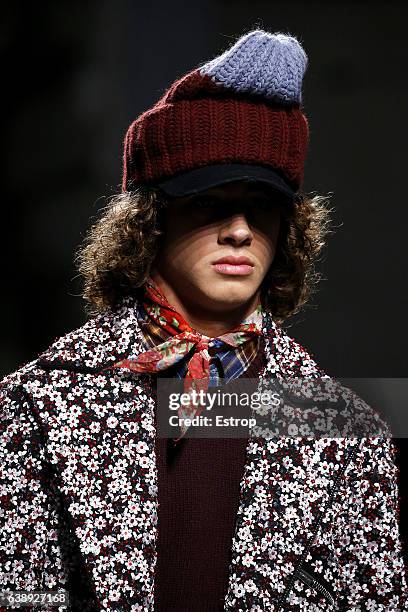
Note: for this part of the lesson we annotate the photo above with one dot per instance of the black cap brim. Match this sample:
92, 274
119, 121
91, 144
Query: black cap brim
202, 178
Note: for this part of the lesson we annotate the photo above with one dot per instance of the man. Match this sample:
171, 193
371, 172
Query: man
189, 273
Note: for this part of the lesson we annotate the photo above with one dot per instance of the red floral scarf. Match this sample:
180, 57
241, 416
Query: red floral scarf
183, 339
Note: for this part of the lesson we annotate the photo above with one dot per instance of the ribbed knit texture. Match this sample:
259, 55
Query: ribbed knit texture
269, 65
243, 107
198, 494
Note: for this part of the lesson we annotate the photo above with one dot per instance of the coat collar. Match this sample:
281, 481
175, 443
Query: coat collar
115, 334
103, 340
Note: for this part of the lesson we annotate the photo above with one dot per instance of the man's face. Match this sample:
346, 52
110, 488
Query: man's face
239, 221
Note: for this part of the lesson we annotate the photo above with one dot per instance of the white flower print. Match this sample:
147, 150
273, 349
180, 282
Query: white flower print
96, 431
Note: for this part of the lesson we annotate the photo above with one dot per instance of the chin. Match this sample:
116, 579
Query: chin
230, 295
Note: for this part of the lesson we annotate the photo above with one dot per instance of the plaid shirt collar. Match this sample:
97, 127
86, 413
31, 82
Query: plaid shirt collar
226, 363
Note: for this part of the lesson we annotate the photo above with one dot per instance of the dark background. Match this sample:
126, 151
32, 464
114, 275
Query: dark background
75, 74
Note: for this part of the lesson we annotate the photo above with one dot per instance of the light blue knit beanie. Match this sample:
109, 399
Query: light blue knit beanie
270, 65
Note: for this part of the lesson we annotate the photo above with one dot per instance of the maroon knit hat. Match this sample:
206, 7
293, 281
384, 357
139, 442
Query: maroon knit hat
242, 108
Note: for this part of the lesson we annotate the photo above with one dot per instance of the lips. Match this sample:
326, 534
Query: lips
234, 266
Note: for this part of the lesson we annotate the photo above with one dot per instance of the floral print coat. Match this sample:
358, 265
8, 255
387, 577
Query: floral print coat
316, 527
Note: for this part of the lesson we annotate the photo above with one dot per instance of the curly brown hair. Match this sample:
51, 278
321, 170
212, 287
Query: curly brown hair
117, 253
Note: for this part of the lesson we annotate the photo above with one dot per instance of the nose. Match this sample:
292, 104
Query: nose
235, 230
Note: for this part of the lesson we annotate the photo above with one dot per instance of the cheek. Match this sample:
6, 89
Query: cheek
264, 250
264, 244
185, 250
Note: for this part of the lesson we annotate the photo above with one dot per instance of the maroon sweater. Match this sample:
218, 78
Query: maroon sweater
198, 498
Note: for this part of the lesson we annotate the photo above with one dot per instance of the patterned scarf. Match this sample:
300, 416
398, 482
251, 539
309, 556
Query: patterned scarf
173, 339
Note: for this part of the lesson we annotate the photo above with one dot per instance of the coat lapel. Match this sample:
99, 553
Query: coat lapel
100, 435
100, 432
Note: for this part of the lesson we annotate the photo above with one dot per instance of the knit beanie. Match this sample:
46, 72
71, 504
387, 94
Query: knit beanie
241, 109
